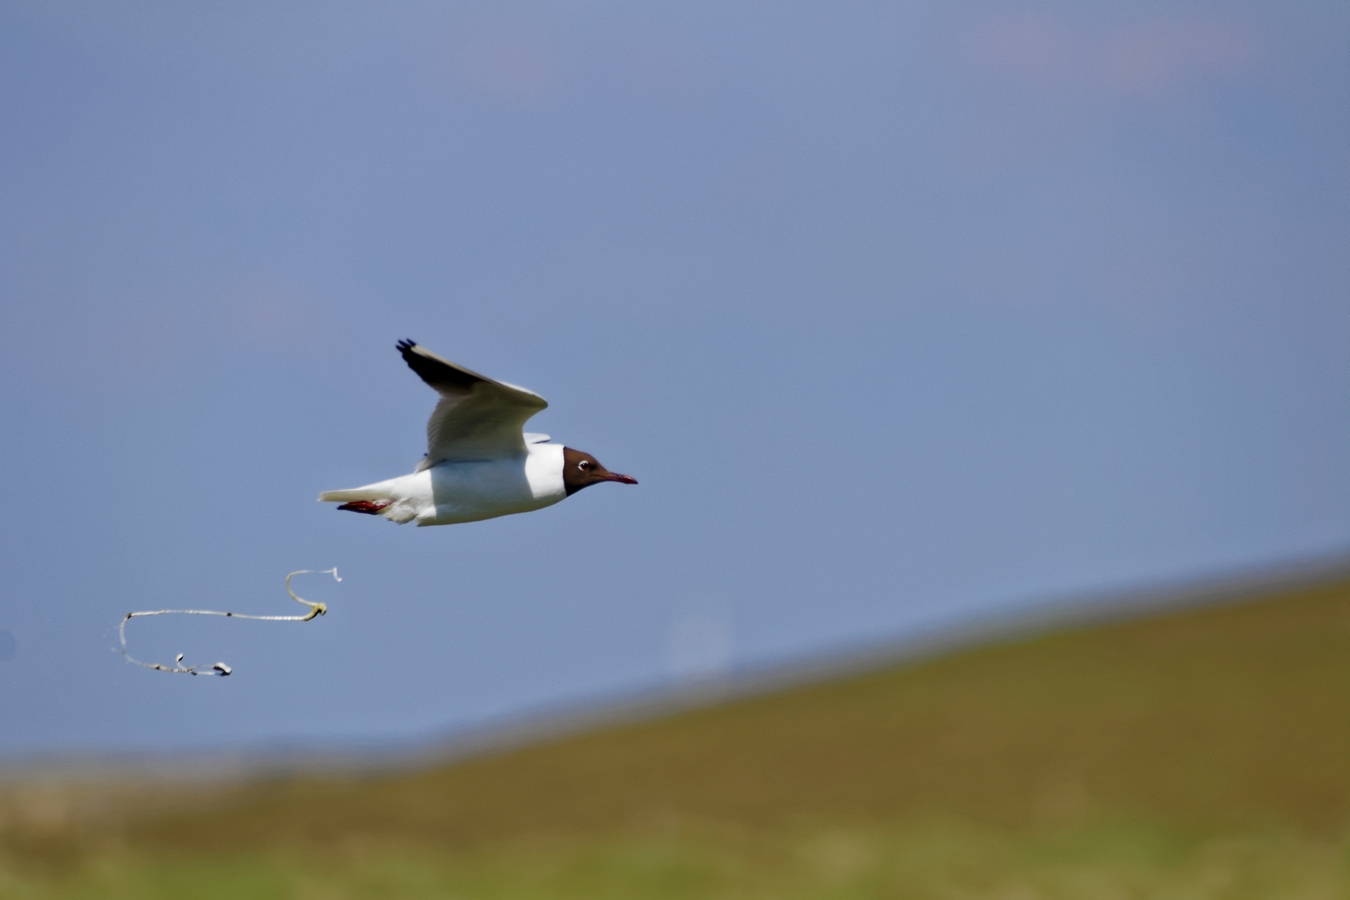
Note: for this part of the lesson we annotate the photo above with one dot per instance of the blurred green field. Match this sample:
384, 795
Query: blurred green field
1203, 753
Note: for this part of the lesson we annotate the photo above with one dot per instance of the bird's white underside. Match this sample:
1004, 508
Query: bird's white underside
469, 490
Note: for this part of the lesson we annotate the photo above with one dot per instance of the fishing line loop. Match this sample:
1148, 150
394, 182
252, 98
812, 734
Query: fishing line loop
220, 669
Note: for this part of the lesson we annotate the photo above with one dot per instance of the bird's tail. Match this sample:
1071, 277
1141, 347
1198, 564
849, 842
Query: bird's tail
390, 499
373, 499
347, 496
390, 489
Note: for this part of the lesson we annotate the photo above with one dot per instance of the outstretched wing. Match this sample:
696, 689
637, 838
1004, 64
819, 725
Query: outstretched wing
477, 418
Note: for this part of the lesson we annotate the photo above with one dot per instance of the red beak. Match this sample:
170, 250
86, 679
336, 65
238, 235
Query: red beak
622, 479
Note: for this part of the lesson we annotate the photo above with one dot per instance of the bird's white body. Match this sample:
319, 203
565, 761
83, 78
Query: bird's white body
469, 490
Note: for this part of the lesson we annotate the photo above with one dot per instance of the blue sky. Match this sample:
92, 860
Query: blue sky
902, 315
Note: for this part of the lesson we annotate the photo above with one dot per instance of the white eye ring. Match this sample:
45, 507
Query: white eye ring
584, 465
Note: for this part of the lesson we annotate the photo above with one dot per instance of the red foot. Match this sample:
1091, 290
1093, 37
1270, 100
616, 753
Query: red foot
369, 507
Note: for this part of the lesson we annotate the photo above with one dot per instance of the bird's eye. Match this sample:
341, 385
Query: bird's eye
584, 465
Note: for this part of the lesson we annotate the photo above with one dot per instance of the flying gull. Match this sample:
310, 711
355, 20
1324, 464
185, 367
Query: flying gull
479, 462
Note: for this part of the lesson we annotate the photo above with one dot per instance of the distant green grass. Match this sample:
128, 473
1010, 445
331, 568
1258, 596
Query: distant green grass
1201, 754
934, 859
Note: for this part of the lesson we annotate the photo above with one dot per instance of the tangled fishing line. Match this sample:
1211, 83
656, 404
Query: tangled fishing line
315, 610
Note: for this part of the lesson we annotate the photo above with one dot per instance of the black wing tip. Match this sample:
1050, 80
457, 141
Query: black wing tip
437, 372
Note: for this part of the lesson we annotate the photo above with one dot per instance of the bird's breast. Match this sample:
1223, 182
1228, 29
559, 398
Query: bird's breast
472, 490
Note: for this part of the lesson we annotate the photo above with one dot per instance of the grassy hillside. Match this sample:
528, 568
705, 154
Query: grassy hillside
1200, 754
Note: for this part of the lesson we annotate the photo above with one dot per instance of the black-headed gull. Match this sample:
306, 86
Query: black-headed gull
479, 463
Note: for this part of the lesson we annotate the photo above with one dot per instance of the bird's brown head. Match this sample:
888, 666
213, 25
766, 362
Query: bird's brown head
583, 470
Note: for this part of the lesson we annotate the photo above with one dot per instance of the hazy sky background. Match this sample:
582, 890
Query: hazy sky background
902, 315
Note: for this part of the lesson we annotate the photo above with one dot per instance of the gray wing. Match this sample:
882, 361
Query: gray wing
477, 418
